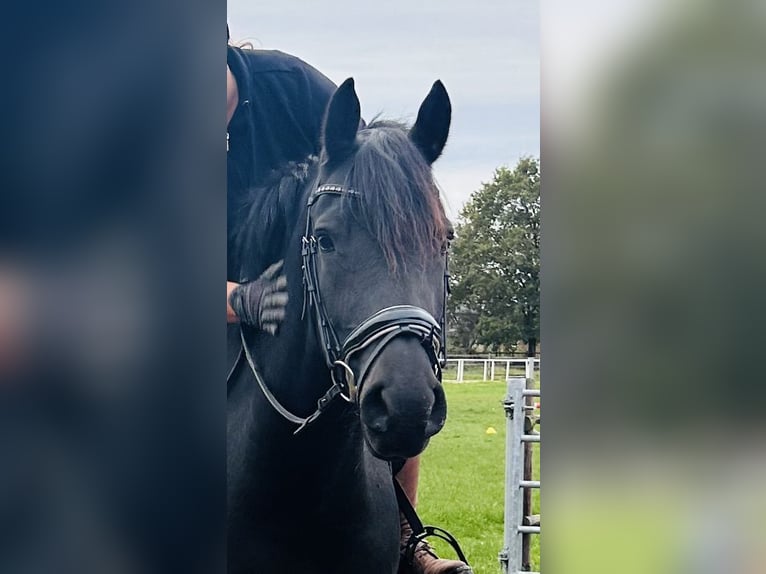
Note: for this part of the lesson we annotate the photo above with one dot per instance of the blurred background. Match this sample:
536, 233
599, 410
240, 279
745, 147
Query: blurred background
112, 243
652, 278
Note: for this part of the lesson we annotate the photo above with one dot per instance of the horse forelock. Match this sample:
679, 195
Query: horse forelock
398, 201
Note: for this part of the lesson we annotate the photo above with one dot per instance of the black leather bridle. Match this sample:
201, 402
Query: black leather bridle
371, 335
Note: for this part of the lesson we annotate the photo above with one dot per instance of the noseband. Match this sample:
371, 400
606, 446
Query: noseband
371, 335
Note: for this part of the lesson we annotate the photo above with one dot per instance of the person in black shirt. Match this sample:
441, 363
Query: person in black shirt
275, 108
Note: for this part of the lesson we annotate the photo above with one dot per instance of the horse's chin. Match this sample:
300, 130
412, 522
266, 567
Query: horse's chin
387, 447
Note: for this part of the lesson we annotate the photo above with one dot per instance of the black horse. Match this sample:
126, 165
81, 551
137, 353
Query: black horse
354, 368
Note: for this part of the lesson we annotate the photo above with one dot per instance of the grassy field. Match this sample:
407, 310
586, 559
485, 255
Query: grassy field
463, 475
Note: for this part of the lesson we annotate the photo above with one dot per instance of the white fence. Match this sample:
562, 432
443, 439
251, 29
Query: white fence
503, 368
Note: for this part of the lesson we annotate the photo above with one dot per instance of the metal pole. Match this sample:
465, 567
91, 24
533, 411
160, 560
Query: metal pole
460, 367
527, 482
510, 556
492, 371
484, 376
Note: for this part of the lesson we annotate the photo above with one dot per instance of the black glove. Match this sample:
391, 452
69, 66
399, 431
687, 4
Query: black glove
262, 303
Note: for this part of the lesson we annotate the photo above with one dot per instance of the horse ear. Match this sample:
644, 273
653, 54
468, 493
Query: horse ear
341, 122
432, 126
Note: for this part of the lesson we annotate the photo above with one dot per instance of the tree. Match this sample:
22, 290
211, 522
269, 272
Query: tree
496, 260
461, 336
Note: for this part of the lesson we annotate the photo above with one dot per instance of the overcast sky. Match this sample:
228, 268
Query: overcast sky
486, 52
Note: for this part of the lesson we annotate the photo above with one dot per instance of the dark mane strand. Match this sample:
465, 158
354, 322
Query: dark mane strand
398, 200
272, 211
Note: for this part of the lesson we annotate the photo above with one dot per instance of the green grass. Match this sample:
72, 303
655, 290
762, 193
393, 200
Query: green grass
462, 477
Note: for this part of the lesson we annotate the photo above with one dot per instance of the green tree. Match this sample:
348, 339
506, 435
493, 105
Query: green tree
496, 260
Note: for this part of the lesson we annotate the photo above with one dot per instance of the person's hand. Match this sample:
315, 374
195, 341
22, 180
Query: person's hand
262, 303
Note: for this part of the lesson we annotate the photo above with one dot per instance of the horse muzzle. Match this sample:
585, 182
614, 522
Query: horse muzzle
390, 368
402, 403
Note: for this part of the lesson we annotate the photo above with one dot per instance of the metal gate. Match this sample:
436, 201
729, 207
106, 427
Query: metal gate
517, 436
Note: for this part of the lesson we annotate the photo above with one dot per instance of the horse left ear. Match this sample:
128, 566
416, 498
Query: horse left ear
432, 126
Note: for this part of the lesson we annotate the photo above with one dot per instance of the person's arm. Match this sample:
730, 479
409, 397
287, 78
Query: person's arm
231, 316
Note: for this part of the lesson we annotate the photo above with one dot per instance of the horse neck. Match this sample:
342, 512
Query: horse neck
328, 455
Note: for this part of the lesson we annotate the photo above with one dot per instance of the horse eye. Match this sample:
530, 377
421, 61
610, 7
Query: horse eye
325, 243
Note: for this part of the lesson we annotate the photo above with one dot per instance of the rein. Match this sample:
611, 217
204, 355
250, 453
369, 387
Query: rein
420, 531
372, 334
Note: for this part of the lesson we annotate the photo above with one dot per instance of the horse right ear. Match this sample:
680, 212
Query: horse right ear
341, 123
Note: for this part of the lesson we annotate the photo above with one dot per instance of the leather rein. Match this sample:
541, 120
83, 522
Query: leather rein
372, 334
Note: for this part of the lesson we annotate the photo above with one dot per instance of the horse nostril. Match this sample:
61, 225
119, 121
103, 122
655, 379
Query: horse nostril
438, 414
374, 412
379, 424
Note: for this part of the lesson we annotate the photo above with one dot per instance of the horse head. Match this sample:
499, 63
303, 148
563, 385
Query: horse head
375, 268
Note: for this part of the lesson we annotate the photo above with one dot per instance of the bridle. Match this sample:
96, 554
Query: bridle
371, 335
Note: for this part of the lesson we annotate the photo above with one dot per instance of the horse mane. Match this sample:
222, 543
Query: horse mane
397, 201
272, 210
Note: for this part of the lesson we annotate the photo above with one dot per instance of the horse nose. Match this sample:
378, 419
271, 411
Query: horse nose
402, 403
404, 407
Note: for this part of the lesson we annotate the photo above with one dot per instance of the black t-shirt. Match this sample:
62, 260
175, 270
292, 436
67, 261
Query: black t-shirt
282, 101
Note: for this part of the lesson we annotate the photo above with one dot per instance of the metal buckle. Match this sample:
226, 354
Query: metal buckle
350, 382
